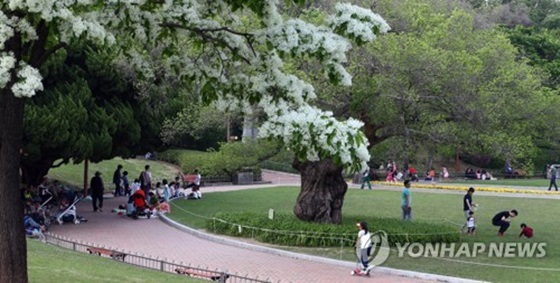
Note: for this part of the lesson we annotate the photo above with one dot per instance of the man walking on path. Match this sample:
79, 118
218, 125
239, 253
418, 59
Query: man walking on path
96, 186
406, 200
553, 172
366, 179
117, 180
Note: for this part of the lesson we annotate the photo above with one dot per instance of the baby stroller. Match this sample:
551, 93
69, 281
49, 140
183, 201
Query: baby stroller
67, 211
48, 200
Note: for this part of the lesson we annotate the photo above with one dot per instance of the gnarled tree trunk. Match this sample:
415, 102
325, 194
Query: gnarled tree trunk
322, 191
13, 257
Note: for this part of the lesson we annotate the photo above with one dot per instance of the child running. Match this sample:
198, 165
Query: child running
364, 243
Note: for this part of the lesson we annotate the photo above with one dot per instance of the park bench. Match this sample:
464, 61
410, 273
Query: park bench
110, 253
191, 272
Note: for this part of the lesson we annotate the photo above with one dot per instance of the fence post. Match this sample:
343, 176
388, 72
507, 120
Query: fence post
161, 265
74, 246
341, 248
223, 277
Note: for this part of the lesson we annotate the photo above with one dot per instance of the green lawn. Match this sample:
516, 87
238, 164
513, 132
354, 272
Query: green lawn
74, 173
538, 213
46, 263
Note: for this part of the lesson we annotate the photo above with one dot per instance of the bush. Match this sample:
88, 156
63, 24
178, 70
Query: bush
188, 160
278, 166
287, 230
222, 165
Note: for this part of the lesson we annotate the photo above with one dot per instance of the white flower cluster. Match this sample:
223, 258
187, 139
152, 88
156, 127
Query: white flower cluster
7, 63
316, 134
29, 82
297, 90
299, 38
361, 24
72, 20
28, 78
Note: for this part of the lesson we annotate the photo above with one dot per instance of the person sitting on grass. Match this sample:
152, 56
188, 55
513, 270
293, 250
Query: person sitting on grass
503, 219
526, 231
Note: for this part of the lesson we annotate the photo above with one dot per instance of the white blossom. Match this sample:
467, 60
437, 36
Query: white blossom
357, 22
246, 67
29, 82
7, 63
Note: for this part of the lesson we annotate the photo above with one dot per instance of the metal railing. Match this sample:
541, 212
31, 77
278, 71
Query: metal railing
147, 261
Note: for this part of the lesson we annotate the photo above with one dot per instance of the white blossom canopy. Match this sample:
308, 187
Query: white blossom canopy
210, 42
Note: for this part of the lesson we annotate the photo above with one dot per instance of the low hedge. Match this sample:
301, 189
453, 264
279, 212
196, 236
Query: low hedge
287, 230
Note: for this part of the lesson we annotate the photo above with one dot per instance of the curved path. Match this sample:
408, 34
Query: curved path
158, 239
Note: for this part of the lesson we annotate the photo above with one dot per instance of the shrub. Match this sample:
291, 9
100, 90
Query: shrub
278, 166
287, 230
223, 164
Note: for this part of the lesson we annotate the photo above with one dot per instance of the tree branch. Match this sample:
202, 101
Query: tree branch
203, 32
49, 52
63, 161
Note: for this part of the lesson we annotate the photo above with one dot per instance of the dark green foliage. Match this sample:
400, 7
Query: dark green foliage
86, 111
282, 161
237, 156
225, 163
541, 47
287, 230
278, 166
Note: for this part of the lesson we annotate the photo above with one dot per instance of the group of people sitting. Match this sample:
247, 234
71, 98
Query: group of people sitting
157, 198
45, 203
478, 174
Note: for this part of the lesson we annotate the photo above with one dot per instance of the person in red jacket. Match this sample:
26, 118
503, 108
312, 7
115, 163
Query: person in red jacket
526, 231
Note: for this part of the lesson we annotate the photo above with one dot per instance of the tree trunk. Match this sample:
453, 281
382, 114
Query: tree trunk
34, 171
249, 128
322, 191
13, 248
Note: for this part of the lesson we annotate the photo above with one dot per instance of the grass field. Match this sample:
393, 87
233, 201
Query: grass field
73, 174
438, 207
50, 264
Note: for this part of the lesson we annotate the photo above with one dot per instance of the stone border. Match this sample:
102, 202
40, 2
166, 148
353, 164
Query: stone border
349, 265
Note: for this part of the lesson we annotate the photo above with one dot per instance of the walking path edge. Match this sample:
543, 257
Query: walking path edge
349, 265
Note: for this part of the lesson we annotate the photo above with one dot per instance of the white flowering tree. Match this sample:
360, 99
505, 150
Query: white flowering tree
229, 59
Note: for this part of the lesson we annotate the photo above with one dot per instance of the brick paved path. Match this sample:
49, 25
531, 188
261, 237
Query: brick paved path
155, 238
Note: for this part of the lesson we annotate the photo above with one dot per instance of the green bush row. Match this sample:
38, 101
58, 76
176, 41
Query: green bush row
278, 166
287, 230
220, 165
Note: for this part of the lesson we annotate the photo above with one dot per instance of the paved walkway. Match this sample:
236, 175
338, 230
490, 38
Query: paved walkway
158, 239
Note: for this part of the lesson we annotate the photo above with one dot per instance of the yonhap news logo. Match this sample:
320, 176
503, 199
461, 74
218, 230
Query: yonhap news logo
380, 249
472, 250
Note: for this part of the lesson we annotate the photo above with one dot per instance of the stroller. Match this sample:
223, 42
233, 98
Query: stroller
47, 200
67, 211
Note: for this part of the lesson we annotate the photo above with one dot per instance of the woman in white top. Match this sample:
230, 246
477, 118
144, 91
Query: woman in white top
364, 243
